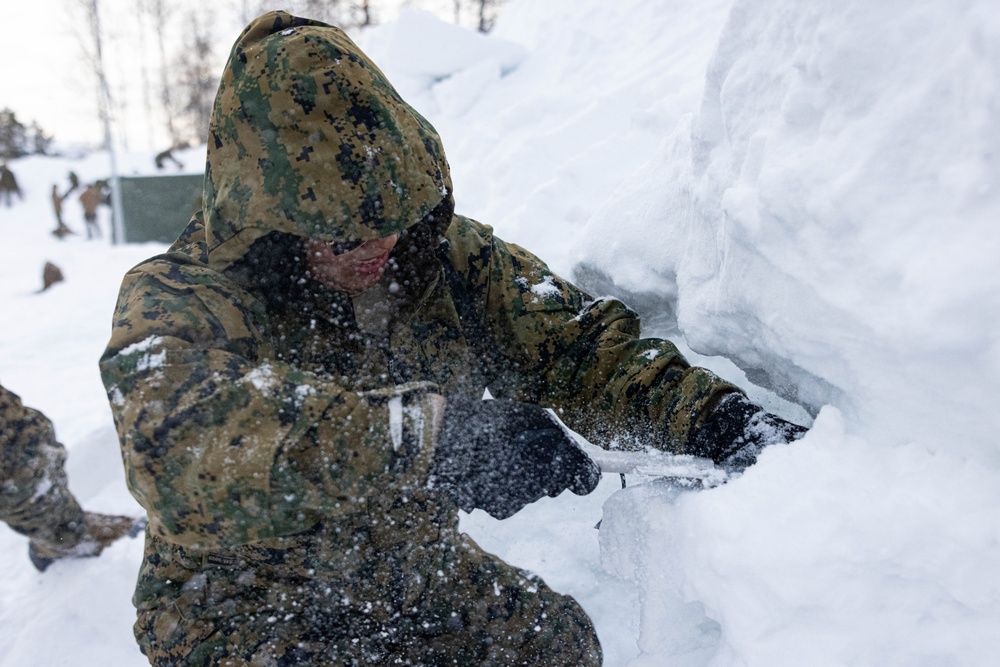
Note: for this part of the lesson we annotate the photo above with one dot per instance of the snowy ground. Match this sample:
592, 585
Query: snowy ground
809, 190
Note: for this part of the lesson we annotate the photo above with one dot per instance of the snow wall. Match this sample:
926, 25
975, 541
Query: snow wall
827, 218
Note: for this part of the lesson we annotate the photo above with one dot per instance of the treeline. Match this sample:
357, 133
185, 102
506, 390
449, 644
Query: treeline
176, 48
18, 139
178, 89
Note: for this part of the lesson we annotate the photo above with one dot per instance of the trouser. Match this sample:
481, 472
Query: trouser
93, 230
476, 610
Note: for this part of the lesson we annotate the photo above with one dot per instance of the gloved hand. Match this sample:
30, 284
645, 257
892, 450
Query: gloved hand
500, 455
737, 430
97, 532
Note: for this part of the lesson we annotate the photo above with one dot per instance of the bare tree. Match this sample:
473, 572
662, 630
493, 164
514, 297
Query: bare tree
363, 13
104, 106
488, 10
336, 12
90, 37
104, 102
147, 99
40, 140
195, 78
13, 135
160, 14
343, 13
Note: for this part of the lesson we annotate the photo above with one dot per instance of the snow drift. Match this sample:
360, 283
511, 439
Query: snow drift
827, 218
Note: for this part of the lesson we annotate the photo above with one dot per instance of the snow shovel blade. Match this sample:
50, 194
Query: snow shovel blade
681, 470
657, 464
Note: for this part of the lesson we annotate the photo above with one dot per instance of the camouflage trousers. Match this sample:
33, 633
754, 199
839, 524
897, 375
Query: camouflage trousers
473, 610
34, 497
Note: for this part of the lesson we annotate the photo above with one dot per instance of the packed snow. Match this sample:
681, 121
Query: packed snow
806, 192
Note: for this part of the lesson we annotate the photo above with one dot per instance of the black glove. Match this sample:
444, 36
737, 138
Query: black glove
737, 430
500, 455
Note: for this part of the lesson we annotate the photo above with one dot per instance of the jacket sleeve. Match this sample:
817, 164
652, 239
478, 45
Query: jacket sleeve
34, 496
581, 356
224, 446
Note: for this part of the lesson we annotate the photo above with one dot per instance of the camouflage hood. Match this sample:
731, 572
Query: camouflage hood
309, 138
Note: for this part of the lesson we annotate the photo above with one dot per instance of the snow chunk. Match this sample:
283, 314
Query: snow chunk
396, 421
545, 288
147, 361
262, 377
115, 396
143, 345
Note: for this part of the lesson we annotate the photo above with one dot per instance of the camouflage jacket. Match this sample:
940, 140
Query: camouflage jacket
226, 442
246, 421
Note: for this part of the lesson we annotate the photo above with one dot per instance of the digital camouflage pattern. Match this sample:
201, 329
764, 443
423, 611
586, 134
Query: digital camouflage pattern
280, 434
34, 497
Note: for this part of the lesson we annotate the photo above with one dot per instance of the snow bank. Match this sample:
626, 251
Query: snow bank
569, 98
439, 68
830, 552
827, 219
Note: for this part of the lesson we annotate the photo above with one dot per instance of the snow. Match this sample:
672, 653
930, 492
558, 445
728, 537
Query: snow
545, 287
262, 377
147, 361
396, 421
807, 192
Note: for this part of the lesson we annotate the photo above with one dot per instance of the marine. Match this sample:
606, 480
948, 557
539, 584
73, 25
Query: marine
35, 499
297, 388
8, 185
92, 197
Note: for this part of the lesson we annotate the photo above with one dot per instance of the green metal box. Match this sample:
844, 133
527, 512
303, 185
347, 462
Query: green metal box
157, 208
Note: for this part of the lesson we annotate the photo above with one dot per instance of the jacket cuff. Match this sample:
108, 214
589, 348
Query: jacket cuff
692, 404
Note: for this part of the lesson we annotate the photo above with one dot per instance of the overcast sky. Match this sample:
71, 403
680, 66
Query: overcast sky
43, 78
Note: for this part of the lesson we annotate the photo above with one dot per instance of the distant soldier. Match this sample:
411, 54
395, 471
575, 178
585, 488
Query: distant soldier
105, 188
61, 229
34, 498
168, 154
51, 274
8, 185
90, 199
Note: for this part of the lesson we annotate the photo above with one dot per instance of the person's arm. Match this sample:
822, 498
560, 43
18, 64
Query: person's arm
34, 496
584, 357
224, 446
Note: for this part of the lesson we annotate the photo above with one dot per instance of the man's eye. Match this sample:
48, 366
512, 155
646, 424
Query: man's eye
346, 246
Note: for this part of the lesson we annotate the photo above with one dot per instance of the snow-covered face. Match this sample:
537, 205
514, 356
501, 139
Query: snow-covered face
353, 271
